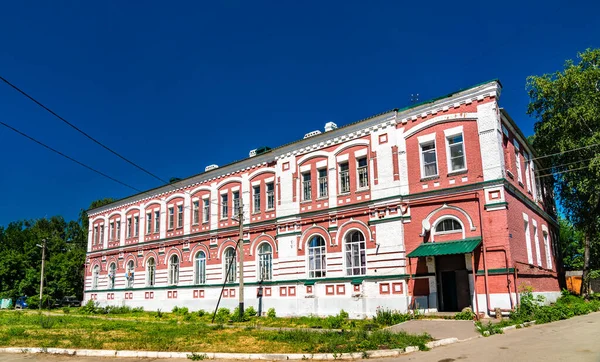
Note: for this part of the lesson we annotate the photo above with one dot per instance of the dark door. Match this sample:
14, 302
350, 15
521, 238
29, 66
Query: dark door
449, 295
462, 289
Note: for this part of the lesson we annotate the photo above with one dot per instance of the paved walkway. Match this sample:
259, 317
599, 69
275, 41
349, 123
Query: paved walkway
439, 328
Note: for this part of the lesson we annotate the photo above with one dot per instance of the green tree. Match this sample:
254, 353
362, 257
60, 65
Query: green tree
567, 107
571, 245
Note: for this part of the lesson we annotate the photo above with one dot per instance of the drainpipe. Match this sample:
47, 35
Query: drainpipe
503, 249
516, 291
408, 286
475, 285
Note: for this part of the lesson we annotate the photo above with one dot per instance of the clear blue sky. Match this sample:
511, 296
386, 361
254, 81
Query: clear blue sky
176, 86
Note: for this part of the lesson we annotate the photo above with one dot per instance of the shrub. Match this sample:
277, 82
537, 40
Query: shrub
465, 315
271, 313
159, 313
89, 307
46, 322
334, 322
66, 310
235, 315
201, 312
343, 314
386, 317
223, 315
489, 328
250, 311
180, 310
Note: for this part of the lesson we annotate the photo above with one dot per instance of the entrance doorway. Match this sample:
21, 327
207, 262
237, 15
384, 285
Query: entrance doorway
453, 283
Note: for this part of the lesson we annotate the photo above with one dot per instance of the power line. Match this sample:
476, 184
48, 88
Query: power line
68, 157
561, 172
565, 164
80, 131
563, 152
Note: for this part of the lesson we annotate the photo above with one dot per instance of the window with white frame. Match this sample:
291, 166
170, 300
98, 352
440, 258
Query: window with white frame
265, 262
118, 229
129, 227
130, 274
256, 198
548, 250
270, 195
195, 212
322, 182
536, 240
527, 171
95, 235
306, 186
136, 225
95, 276
224, 206
156, 221
429, 159
236, 202
112, 274
179, 216
174, 269
363, 172
200, 268
518, 161
317, 252
344, 175
456, 153
111, 231
148, 223
528, 241
448, 225
101, 233
171, 221
356, 261
205, 210
230, 271
150, 272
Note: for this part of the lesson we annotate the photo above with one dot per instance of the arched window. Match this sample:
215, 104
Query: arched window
200, 267
229, 256
95, 275
356, 263
112, 273
173, 269
316, 257
151, 272
265, 262
129, 274
448, 225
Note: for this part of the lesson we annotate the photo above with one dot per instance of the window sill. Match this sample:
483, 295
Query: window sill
271, 209
306, 201
205, 222
362, 190
458, 172
430, 178
321, 198
447, 232
256, 212
521, 183
224, 218
195, 224
344, 194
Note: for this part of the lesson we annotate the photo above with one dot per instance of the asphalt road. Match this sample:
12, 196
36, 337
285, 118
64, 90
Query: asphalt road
571, 340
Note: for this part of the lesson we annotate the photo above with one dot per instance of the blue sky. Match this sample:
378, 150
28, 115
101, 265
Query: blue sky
176, 86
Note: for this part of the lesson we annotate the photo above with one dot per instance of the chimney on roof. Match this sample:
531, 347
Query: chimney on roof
330, 126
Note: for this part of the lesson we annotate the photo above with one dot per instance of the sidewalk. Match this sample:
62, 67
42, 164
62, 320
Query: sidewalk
439, 328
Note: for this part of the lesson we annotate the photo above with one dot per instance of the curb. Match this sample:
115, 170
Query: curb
522, 325
230, 356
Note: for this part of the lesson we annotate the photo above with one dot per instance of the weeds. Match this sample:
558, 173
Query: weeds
197, 356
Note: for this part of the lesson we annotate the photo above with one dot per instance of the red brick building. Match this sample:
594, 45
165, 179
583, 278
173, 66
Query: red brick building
437, 206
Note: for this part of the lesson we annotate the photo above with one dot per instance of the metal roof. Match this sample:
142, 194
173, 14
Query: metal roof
445, 248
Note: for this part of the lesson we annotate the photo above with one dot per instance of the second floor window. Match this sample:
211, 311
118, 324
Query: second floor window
118, 230
323, 182
111, 231
95, 236
136, 225
457, 153
236, 202
344, 178
363, 172
129, 227
196, 212
429, 159
270, 196
101, 233
224, 206
205, 210
148, 223
156, 221
256, 198
171, 217
179, 216
306, 187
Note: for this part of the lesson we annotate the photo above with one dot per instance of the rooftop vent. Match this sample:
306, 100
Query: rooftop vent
210, 167
311, 134
330, 126
259, 151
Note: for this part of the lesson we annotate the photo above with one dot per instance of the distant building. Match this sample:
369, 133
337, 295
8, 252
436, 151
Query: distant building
437, 206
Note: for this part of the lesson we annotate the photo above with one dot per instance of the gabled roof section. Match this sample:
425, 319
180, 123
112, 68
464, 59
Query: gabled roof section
388, 117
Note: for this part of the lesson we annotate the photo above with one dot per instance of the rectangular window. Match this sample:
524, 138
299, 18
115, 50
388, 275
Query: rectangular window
270, 196
111, 231
196, 212
156, 221
306, 187
118, 231
148, 223
536, 240
527, 172
548, 251
256, 198
236, 202
179, 216
136, 225
344, 178
129, 227
95, 236
102, 233
363, 173
456, 152
429, 159
224, 206
518, 161
528, 242
322, 182
171, 217
205, 210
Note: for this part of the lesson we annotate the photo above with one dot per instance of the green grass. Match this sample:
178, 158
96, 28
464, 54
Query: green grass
171, 333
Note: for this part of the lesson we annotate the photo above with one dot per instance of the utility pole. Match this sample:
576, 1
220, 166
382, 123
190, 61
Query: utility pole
43, 246
241, 258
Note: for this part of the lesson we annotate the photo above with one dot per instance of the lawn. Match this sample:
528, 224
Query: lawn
172, 332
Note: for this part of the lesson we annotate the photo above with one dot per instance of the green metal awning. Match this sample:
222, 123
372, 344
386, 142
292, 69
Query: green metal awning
356, 281
309, 282
445, 248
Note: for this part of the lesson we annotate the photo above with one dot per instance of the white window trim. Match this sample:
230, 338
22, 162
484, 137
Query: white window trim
536, 240
358, 188
422, 160
321, 164
451, 133
360, 153
547, 246
518, 161
442, 218
528, 240
342, 158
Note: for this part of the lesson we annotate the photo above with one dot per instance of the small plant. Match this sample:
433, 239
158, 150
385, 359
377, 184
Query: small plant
271, 313
197, 356
201, 313
46, 322
250, 311
343, 314
365, 355
159, 313
180, 310
465, 315
223, 315
489, 328
66, 310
